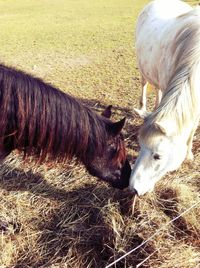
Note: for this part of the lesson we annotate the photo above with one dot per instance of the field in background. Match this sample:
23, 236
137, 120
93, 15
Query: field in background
54, 216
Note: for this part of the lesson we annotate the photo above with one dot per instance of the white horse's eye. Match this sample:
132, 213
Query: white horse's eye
156, 157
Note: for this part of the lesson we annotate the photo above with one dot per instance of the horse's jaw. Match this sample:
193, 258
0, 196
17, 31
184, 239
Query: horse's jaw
155, 161
136, 185
141, 179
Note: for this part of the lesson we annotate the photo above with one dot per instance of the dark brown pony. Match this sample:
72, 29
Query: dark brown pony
40, 120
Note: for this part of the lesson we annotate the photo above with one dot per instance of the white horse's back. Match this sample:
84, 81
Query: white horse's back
155, 31
167, 9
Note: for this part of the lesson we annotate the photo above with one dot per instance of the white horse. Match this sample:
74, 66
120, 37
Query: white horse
168, 54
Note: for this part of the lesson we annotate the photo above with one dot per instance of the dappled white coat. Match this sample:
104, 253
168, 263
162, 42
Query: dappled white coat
168, 55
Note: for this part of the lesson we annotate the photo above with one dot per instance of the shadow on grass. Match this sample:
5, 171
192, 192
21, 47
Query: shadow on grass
98, 107
76, 232
169, 203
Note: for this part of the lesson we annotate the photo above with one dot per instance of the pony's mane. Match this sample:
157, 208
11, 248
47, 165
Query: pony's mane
41, 120
181, 98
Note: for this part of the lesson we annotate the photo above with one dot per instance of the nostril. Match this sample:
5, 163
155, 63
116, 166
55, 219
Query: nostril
117, 173
135, 192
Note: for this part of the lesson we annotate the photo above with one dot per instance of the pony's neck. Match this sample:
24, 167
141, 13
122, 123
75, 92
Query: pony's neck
93, 135
45, 121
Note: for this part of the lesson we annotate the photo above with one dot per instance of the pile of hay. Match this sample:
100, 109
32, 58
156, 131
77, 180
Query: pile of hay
59, 216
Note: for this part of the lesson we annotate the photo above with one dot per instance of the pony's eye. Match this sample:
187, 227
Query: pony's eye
156, 157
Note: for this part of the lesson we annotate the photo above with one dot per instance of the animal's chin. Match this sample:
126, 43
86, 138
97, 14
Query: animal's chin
119, 182
113, 181
123, 181
99, 175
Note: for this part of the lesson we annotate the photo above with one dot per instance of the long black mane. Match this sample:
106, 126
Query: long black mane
39, 119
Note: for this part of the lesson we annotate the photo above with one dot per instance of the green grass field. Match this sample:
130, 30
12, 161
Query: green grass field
58, 217
84, 47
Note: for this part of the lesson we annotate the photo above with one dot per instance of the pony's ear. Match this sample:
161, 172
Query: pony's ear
166, 127
115, 128
107, 112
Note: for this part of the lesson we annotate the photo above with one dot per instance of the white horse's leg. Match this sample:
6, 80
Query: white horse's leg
142, 112
158, 98
190, 155
143, 98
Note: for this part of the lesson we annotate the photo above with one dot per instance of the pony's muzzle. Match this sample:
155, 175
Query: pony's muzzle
134, 192
123, 181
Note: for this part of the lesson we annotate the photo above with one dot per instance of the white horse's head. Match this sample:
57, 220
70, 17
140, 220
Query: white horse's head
160, 152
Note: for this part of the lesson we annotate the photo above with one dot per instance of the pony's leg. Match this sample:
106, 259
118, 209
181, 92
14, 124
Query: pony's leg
142, 112
190, 155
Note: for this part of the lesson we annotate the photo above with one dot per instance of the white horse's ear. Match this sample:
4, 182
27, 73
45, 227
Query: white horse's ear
166, 127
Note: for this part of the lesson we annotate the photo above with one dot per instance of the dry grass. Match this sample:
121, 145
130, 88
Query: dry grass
58, 216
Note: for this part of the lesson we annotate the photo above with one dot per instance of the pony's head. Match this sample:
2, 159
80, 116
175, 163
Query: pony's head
161, 151
112, 165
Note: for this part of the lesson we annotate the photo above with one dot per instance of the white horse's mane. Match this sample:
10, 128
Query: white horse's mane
181, 98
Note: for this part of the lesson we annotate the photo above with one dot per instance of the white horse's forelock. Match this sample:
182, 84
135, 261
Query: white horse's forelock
181, 98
